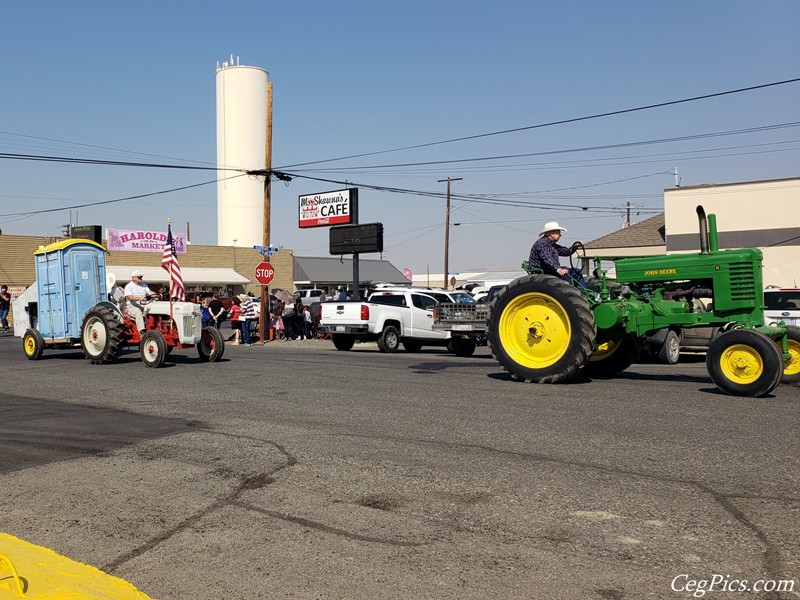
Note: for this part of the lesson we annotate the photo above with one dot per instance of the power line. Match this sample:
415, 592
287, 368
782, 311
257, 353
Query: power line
102, 202
34, 137
115, 163
567, 150
475, 199
552, 123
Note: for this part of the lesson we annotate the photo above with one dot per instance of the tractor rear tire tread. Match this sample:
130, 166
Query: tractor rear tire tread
584, 330
112, 324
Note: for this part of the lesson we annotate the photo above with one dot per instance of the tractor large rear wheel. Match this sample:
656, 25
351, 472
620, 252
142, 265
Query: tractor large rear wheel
742, 362
541, 329
791, 368
100, 335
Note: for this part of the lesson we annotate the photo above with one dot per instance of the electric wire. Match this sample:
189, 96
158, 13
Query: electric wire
116, 200
115, 163
574, 150
553, 123
94, 146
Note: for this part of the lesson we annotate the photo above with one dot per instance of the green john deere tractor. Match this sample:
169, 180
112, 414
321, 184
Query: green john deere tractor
543, 329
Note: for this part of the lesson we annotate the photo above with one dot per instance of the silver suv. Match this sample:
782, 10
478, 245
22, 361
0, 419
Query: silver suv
438, 294
782, 304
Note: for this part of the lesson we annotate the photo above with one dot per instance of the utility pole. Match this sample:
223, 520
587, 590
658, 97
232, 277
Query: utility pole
267, 212
447, 228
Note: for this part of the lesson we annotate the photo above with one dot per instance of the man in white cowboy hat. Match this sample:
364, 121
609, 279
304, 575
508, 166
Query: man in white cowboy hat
135, 291
546, 251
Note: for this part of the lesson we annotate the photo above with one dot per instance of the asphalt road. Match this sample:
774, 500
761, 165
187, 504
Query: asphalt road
293, 470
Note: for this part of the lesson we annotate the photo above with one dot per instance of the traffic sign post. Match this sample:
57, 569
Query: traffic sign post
265, 273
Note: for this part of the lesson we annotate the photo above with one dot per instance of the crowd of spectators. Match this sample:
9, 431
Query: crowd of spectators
288, 319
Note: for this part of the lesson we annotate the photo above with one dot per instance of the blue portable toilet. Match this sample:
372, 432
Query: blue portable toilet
71, 279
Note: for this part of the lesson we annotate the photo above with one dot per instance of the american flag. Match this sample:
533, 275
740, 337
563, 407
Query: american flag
170, 262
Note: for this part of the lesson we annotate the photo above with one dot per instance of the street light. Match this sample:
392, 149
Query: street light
447, 228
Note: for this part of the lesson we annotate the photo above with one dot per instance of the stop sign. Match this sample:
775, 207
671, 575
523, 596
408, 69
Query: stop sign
264, 273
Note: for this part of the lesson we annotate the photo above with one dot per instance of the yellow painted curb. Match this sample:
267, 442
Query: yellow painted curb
30, 572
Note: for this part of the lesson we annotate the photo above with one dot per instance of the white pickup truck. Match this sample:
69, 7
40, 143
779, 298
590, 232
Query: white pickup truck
390, 318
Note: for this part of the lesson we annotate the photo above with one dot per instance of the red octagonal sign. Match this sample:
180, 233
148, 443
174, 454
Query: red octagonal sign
264, 273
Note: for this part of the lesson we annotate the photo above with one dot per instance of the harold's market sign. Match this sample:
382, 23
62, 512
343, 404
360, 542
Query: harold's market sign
140, 240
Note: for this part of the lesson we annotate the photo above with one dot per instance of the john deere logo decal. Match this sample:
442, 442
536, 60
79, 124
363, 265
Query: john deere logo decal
661, 272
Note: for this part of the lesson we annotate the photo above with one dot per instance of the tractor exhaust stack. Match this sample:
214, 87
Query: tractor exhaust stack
701, 216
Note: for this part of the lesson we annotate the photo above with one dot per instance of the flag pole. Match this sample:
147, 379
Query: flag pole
171, 319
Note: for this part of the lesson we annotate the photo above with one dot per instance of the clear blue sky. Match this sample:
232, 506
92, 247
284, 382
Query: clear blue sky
135, 82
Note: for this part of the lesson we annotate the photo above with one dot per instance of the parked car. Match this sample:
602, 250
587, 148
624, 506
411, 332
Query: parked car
782, 304
199, 296
308, 297
489, 294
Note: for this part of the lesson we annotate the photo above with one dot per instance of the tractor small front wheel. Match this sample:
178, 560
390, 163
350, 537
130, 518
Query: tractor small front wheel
153, 348
742, 362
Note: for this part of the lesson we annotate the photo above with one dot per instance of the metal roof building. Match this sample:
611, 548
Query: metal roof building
313, 271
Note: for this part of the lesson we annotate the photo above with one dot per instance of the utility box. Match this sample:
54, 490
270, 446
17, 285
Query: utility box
71, 279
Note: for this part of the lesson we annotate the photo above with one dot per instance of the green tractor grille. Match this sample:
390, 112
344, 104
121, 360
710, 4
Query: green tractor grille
742, 282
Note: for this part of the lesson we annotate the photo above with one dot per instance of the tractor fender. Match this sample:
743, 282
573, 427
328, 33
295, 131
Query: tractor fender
113, 306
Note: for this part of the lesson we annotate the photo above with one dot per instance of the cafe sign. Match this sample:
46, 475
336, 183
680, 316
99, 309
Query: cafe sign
328, 208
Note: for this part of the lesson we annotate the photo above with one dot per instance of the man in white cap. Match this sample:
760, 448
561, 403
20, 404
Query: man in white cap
546, 251
135, 291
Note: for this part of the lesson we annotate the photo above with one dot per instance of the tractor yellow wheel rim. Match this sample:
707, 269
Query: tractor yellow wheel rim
792, 365
30, 345
605, 350
741, 364
535, 330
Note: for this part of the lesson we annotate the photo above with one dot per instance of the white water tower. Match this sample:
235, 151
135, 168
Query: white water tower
241, 144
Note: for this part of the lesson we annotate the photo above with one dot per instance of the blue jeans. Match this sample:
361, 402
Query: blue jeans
4, 318
245, 332
574, 276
